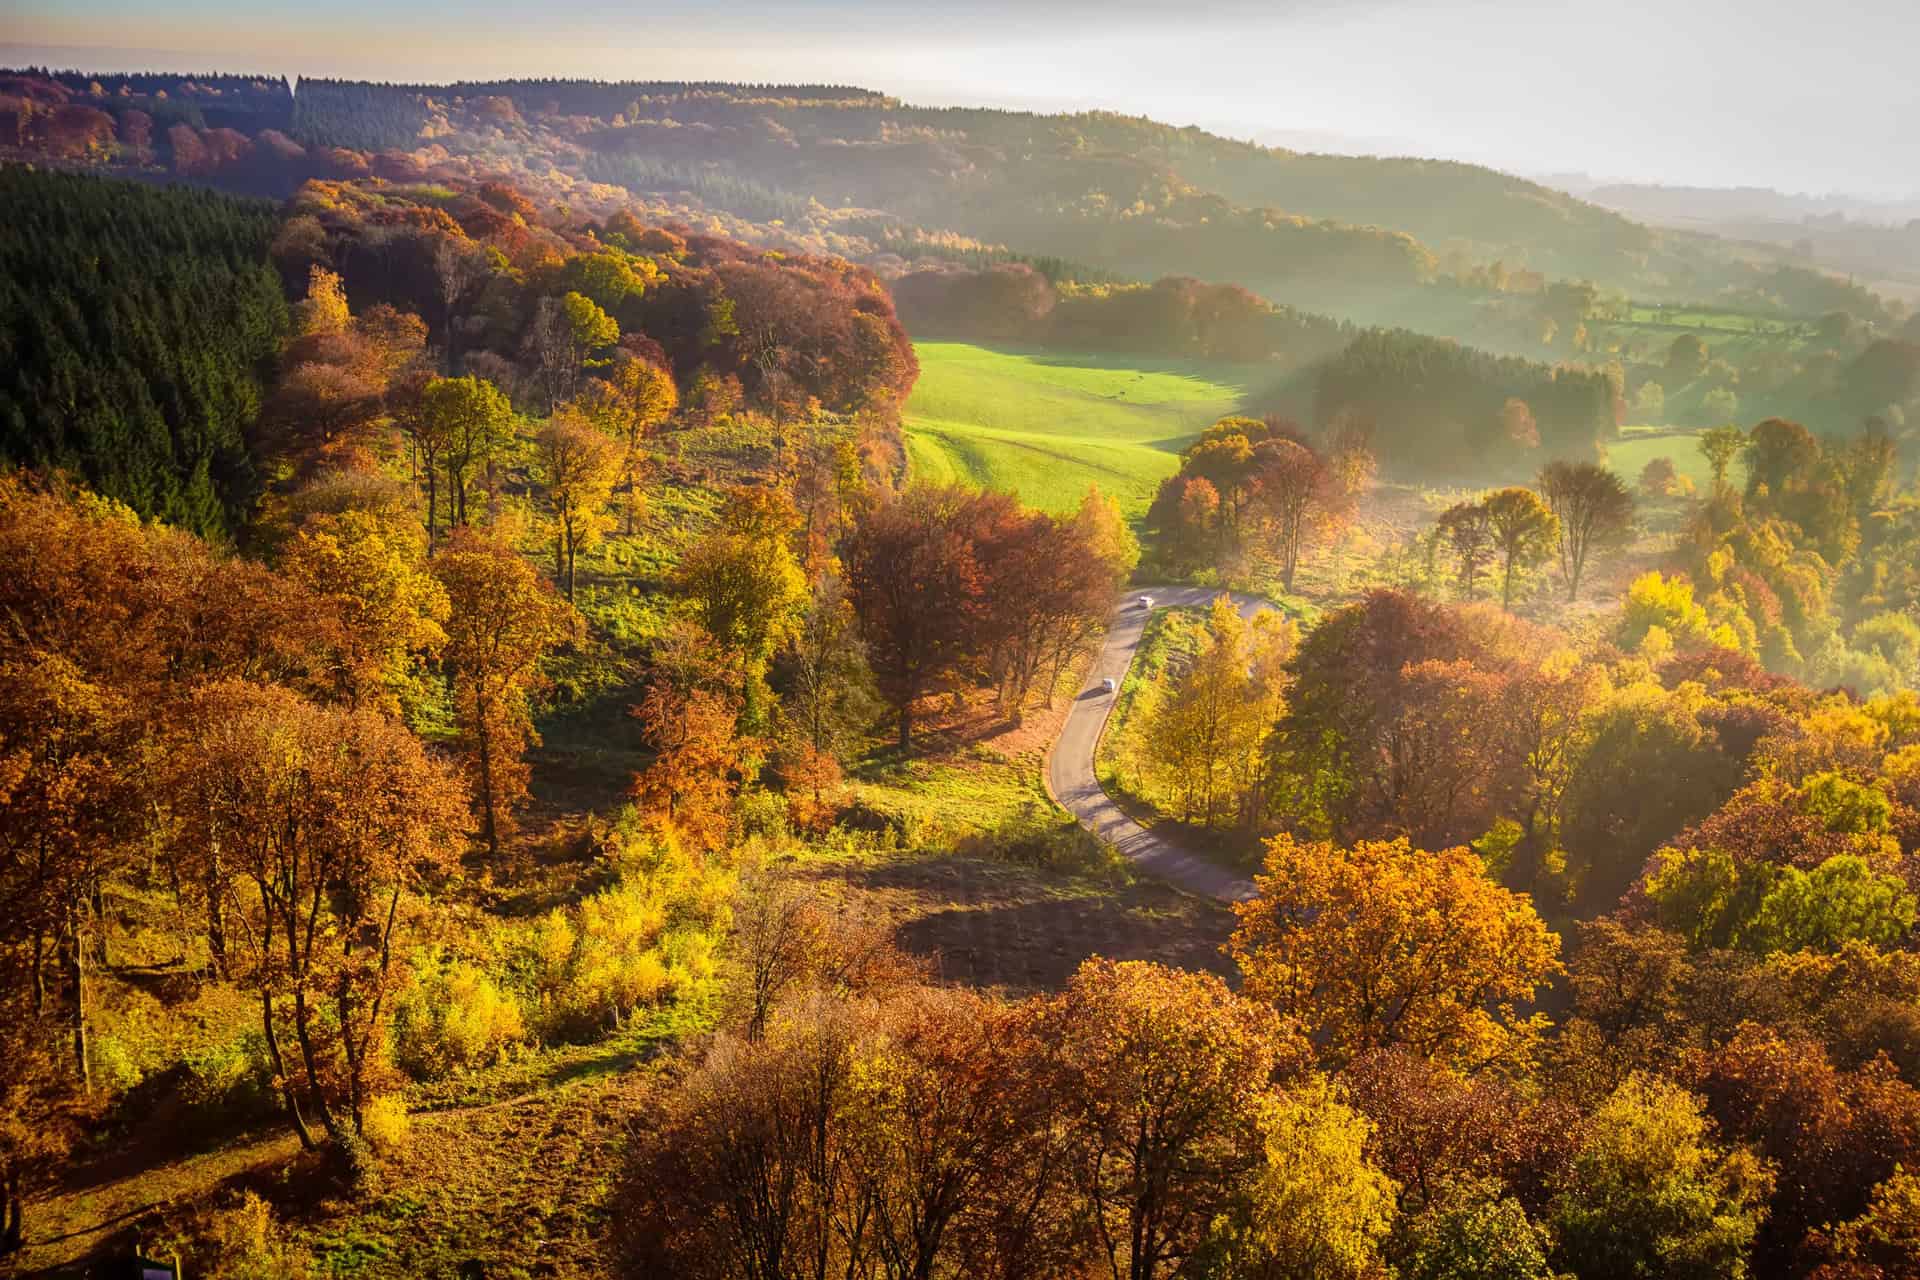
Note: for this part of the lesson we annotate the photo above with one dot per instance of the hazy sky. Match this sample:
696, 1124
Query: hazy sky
1806, 97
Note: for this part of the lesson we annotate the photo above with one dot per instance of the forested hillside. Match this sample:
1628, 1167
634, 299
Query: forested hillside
866, 176
135, 328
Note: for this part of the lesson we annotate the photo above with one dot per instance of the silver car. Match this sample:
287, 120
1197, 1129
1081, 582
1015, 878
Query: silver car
1106, 686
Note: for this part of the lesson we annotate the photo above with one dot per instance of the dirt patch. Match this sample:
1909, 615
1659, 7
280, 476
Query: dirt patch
1017, 930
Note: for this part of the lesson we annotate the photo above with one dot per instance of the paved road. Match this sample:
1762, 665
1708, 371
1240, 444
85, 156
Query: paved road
1070, 768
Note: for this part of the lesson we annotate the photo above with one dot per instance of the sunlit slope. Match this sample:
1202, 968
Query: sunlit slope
1045, 425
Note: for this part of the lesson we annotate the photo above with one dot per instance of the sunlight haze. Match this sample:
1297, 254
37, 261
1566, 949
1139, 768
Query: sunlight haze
1713, 93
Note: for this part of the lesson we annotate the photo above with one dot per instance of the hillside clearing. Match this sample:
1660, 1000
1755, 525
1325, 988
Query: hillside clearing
1045, 425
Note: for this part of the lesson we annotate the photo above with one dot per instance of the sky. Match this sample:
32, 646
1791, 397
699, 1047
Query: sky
1806, 98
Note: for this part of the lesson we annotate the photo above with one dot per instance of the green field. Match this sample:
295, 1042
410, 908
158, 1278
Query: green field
1637, 446
1045, 425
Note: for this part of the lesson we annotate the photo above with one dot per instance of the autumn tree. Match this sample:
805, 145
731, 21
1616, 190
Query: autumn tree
1778, 455
67, 821
1099, 525
457, 425
1522, 531
916, 585
1649, 1191
1203, 736
642, 398
745, 586
1464, 525
327, 818
688, 790
1046, 590
578, 466
827, 693
563, 338
1594, 510
1162, 1080
502, 621
1381, 944
385, 609
1294, 491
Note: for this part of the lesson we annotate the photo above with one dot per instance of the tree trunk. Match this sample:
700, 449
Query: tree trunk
76, 963
39, 971
303, 1032
433, 501
216, 917
1506, 587
278, 1062
489, 830
13, 1233
906, 727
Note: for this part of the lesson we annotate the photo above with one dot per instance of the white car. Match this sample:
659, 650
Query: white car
1145, 602
1106, 686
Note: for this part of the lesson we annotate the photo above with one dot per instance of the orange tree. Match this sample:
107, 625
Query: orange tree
1383, 945
503, 620
327, 818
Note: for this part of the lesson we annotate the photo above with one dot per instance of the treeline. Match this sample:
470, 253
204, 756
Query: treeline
208, 101
136, 326
378, 116
1439, 409
1173, 317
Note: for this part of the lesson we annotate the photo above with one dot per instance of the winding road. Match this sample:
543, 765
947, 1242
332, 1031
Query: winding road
1070, 769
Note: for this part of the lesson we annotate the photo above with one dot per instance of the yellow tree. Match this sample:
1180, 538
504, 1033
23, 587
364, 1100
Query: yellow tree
1201, 735
386, 608
640, 396
745, 585
503, 619
1383, 944
578, 466
1098, 521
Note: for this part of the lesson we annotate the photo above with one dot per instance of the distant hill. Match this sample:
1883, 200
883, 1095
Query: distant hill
1439, 246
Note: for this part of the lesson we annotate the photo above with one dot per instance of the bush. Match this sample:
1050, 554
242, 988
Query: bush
385, 1125
232, 1078
647, 939
1050, 843
236, 1240
453, 1017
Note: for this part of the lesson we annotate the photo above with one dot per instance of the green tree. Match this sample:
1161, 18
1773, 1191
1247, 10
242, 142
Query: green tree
1472, 1230
1839, 901
1720, 446
459, 424
1648, 1192
746, 589
1523, 533
1687, 357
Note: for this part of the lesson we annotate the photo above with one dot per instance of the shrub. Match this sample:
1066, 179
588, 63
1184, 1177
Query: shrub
453, 1017
236, 1240
231, 1078
645, 940
385, 1125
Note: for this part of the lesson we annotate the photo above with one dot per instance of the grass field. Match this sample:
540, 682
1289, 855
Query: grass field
1637, 446
1046, 425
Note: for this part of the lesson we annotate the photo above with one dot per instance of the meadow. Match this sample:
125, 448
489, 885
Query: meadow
1045, 425
1637, 446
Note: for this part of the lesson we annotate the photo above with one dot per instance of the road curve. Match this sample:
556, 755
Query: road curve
1070, 770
